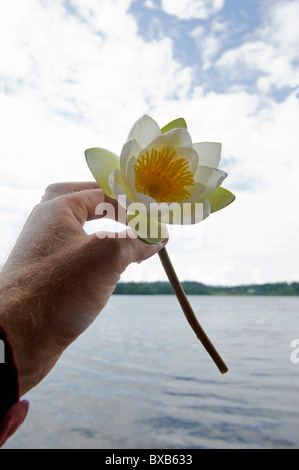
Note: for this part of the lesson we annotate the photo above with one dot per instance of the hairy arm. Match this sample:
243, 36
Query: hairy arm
57, 278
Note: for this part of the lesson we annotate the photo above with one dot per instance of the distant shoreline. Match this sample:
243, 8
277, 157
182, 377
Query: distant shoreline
197, 288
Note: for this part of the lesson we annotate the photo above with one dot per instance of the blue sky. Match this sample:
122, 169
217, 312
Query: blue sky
242, 18
78, 73
200, 42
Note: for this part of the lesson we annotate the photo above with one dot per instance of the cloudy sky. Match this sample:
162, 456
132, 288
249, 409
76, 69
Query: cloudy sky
76, 74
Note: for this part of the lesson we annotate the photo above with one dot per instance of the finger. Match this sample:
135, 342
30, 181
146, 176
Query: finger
59, 189
94, 204
131, 249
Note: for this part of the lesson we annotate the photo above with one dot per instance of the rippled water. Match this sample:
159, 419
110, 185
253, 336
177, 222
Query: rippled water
139, 378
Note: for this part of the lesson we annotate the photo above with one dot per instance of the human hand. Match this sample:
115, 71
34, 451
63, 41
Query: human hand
58, 278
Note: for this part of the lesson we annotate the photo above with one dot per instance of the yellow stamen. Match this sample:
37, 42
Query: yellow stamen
163, 176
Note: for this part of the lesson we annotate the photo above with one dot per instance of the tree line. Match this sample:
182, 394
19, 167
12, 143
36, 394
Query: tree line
197, 288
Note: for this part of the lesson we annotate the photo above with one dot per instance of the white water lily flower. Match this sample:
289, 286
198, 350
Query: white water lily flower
161, 177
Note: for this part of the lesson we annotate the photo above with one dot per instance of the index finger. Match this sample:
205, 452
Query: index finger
59, 189
92, 204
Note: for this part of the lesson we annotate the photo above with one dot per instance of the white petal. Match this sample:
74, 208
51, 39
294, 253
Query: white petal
161, 211
173, 215
130, 175
187, 213
130, 179
118, 190
144, 131
130, 150
209, 153
190, 155
144, 199
212, 178
164, 140
195, 192
181, 137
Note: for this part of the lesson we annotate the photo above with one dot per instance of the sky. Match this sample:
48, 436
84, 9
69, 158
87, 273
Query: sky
76, 74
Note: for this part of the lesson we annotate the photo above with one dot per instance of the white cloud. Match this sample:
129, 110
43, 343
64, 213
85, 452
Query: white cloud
209, 43
281, 28
188, 9
103, 75
150, 4
69, 82
75, 81
271, 53
262, 142
271, 69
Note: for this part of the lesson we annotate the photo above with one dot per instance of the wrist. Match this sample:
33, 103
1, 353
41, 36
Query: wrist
33, 360
22, 321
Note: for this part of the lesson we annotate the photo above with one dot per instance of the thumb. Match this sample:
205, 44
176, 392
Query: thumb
133, 250
110, 253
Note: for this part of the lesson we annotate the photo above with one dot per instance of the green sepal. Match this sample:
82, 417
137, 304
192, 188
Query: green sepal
220, 199
148, 243
180, 122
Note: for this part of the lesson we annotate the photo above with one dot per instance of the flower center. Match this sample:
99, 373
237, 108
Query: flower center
163, 176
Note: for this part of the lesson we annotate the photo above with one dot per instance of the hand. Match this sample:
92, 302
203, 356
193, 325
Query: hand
57, 278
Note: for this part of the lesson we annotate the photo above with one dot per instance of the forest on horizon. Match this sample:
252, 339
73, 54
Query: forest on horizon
197, 288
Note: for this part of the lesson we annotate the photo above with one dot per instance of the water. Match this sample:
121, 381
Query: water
139, 378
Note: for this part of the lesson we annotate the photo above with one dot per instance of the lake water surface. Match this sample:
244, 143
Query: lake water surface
139, 379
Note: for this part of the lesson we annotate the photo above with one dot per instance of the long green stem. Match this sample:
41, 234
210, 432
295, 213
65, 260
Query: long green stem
187, 309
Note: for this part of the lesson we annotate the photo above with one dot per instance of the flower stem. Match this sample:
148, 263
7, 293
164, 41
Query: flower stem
187, 309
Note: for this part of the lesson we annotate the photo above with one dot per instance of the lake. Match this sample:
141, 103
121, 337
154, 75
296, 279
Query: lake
139, 379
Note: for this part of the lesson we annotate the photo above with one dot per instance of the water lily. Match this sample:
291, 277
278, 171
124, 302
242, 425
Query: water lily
161, 177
